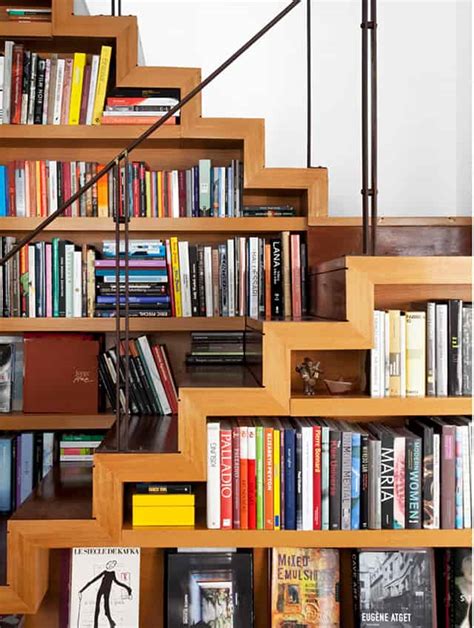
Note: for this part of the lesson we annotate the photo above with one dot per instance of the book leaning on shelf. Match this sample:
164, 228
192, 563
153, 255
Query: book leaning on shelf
423, 353
54, 89
319, 474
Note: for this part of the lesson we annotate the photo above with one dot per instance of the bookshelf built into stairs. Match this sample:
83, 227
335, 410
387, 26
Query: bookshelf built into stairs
345, 294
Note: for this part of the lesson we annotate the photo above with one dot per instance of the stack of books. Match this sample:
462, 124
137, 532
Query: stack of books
78, 447
319, 474
52, 90
216, 347
152, 386
265, 211
29, 15
163, 505
37, 188
423, 353
139, 106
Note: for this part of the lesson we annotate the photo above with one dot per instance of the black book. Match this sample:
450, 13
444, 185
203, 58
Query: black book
426, 432
152, 400
40, 279
411, 603
387, 474
142, 190
201, 281
59, 183
194, 278
39, 97
159, 488
146, 404
136, 404
413, 479
223, 283
364, 481
147, 289
455, 347
107, 382
25, 89
299, 477
209, 589
276, 278
467, 349
335, 442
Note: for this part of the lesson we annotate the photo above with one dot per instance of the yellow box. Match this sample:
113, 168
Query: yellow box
170, 516
140, 499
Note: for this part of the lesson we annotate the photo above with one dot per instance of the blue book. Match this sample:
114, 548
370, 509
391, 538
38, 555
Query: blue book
6, 453
3, 191
355, 482
25, 466
137, 248
132, 299
290, 479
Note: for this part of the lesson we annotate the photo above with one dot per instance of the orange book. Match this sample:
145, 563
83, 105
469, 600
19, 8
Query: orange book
244, 485
268, 294
143, 120
102, 194
38, 187
268, 477
44, 189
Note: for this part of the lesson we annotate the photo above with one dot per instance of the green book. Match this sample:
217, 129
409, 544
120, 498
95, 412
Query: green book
260, 479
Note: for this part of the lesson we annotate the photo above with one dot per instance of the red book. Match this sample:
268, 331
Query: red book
182, 192
226, 476
44, 189
235, 476
85, 94
252, 478
165, 377
16, 83
11, 188
244, 487
317, 477
295, 275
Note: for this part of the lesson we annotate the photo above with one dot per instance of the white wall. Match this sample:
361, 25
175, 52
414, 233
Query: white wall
424, 88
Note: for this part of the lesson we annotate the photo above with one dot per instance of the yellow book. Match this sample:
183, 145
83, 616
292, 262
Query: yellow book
148, 193
162, 499
76, 88
90, 282
276, 479
163, 516
159, 192
176, 276
102, 80
395, 357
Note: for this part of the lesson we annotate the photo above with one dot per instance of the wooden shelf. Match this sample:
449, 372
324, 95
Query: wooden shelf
51, 132
160, 537
392, 221
22, 421
363, 406
13, 29
158, 225
103, 325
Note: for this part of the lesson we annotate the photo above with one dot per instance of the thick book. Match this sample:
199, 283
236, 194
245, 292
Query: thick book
104, 587
455, 348
467, 349
213, 476
209, 589
380, 604
305, 588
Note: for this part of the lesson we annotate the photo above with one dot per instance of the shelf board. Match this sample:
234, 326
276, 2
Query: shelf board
392, 221
102, 325
44, 421
83, 132
160, 537
14, 29
159, 225
363, 406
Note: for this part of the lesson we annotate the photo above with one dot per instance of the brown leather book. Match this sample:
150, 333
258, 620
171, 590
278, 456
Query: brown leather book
61, 373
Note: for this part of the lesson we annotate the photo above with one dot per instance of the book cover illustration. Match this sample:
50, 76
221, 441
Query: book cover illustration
462, 590
104, 587
305, 588
209, 590
396, 589
6, 375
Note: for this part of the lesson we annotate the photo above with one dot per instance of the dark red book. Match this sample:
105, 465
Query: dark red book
317, 477
226, 476
182, 192
166, 377
85, 94
16, 83
295, 276
11, 188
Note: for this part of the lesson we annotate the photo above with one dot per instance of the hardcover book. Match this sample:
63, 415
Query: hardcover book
394, 589
6, 376
104, 587
305, 588
461, 587
209, 589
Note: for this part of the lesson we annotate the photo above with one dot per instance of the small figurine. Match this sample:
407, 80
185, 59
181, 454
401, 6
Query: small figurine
309, 373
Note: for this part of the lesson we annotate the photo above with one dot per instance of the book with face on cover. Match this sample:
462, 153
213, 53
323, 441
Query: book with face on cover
305, 588
104, 587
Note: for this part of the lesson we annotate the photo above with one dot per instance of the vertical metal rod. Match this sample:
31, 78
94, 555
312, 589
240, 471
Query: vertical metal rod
112, 7
374, 130
308, 83
365, 131
118, 195
119, 7
126, 296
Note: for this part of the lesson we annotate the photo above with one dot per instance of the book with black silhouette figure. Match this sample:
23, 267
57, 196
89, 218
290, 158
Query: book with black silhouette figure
104, 587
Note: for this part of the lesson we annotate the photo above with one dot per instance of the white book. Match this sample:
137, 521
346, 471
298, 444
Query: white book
174, 194
415, 354
231, 276
253, 277
7, 81
403, 352
375, 357
92, 88
243, 274
307, 476
441, 350
53, 186
48, 452
156, 382
58, 91
47, 75
185, 278
77, 285
213, 477
436, 481
431, 349
208, 280
113, 570
31, 282
32, 89
466, 474
386, 346
2, 73
20, 192
69, 279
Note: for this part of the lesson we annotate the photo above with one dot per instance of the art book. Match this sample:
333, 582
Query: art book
209, 590
104, 587
394, 589
305, 588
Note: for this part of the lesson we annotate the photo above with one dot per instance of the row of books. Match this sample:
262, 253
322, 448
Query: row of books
57, 89
39, 187
416, 588
152, 387
216, 347
423, 353
320, 474
26, 458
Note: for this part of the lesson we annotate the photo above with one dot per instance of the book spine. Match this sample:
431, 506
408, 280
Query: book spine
226, 477
253, 277
58, 91
185, 278
317, 455
376, 389
244, 483
364, 482
436, 481
296, 307
299, 478
415, 354
252, 477
386, 362
387, 480
204, 187
40, 87
467, 350
176, 276
428, 478
282, 479
290, 479
431, 349
285, 236
399, 483
276, 279
7, 81
346, 480
455, 348
413, 488
76, 89
395, 357
325, 478
236, 478
441, 350
66, 99
374, 495
101, 87
231, 276
165, 378
334, 480
260, 465
213, 476
355, 482
459, 481
268, 478
448, 476
16, 84
276, 480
